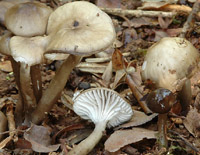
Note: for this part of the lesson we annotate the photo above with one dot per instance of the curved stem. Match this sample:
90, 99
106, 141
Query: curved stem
185, 96
162, 130
53, 92
19, 110
36, 79
89, 143
26, 89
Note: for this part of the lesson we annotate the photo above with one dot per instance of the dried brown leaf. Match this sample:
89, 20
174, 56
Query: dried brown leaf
39, 137
107, 75
117, 60
138, 118
192, 123
115, 141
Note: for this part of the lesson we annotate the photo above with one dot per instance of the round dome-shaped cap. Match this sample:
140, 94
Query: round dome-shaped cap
102, 104
27, 19
169, 62
79, 28
28, 50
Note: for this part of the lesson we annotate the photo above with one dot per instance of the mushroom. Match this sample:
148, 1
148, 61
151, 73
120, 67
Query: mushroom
29, 52
104, 107
78, 28
5, 5
170, 63
161, 101
28, 20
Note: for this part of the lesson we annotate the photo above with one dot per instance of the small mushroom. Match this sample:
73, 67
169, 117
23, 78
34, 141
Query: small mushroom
27, 19
160, 101
104, 107
170, 63
78, 28
29, 52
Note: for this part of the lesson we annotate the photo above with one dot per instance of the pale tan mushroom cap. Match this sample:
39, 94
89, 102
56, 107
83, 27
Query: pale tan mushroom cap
170, 62
79, 28
102, 104
28, 50
27, 19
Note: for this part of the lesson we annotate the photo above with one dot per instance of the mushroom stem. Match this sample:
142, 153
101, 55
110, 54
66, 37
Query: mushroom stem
162, 130
26, 89
89, 143
185, 95
36, 81
19, 106
52, 93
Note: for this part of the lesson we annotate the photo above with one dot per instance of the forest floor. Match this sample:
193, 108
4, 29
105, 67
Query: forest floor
135, 34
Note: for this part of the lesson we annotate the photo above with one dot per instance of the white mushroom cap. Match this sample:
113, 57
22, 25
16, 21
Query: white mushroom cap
79, 28
28, 50
102, 104
170, 62
27, 19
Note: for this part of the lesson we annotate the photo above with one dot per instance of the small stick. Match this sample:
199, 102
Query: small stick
178, 136
189, 22
11, 122
137, 13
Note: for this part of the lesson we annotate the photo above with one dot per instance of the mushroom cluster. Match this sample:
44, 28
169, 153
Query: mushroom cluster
68, 33
104, 107
169, 64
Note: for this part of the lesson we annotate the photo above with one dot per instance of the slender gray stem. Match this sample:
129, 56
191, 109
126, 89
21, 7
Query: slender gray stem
89, 143
53, 92
162, 130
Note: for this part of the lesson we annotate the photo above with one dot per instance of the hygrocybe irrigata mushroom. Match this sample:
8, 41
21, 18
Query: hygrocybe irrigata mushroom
104, 107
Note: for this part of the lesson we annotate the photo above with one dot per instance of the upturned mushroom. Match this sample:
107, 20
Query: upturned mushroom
104, 107
170, 63
79, 28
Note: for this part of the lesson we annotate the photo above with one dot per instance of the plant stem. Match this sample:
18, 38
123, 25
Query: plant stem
162, 130
89, 143
53, 92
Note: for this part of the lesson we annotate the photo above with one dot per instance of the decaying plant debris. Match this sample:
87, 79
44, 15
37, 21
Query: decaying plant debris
138, 25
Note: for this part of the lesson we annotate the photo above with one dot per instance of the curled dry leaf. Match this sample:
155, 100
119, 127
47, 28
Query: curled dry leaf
115, 141
118, 61
109, 3
138, 118
39, 137
191, 122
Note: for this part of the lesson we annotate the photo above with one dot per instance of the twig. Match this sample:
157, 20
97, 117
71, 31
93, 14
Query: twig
11, 122
137, 13
189, 22
178, 136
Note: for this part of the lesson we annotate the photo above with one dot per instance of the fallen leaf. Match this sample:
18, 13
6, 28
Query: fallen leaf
6, 66
192, 123
107, 75
117, 60
138, 118
39, 137
164, 23
115, 141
